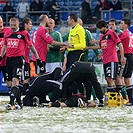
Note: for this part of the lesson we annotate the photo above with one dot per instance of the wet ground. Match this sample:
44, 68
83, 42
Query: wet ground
65, 120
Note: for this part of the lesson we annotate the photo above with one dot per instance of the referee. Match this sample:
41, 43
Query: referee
77, 39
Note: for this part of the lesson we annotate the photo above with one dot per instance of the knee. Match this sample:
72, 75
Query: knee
127, 81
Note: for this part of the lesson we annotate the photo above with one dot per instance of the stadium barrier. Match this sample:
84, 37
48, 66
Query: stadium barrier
118, 15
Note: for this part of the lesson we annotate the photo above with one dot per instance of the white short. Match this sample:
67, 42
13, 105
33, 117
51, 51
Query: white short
51, 66
132, 79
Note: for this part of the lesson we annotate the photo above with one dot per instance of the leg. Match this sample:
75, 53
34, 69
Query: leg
110, 71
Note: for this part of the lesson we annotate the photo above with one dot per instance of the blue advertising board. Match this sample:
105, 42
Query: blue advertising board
3, 85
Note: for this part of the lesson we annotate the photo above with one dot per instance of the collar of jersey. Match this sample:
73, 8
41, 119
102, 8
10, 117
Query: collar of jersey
16, 30
75, 26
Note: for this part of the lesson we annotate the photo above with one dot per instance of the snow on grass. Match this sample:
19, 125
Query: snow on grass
65, 120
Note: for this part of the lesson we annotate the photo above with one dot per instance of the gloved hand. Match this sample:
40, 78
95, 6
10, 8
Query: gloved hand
39, 63
40, 66
0, 58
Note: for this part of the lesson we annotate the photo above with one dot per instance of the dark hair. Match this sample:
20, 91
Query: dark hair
126, 21
26, 21
101, 23
8, 2
74, 17
113, 20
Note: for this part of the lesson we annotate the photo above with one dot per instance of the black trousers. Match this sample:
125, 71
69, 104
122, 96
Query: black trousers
81, 72
40, 89
74, 56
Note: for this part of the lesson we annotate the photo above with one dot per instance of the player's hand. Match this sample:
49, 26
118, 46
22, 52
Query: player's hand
64, 68
123, 60
86, 48
67, 45
0, 58
62, 49
39, 63
100, 56
93, 41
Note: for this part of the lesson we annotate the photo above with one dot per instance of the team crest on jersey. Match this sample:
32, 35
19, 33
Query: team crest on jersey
19, 36
106, 37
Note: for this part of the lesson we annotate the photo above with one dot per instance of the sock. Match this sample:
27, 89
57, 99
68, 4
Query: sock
9, 90
25, 87
12, 99
21, 88
93, 94
13, 95
129, 92
123, 92
118, 88
111, 89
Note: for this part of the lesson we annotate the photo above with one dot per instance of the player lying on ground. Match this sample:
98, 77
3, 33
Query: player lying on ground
74, 101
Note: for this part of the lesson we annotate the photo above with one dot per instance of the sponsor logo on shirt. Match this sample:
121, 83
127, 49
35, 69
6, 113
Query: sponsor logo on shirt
12, 43
104, 44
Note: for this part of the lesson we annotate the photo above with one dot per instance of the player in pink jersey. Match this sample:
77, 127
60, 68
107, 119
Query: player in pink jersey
119, 82
108, 42
41, 39
27, 25
127, 41
2, 60
15, 42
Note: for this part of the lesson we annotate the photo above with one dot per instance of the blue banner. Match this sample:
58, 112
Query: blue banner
3, 85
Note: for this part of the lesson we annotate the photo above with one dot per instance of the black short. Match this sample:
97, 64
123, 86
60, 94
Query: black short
26, 73
3, 69
129, 66
14, 67
110, 69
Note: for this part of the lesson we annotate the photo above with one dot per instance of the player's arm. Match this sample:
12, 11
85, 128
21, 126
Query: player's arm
62, 44
64, 61
93, 41
3, 51
123, 60
89, 36
29, 43
93, 47
32, 48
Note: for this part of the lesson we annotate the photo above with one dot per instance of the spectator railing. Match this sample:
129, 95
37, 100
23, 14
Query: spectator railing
62, 17
118, 15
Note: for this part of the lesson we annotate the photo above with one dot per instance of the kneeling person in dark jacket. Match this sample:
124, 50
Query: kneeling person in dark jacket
81, 72
42, 85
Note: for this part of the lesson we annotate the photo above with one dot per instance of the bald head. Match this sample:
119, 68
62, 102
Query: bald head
80, 21
43, 17
44, 20
1, 23
51, 24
